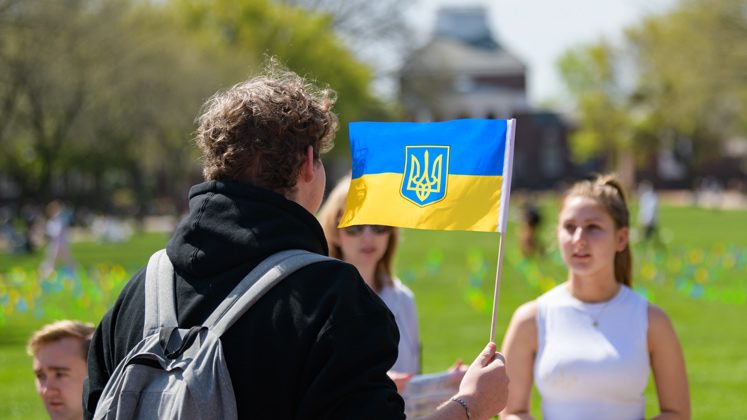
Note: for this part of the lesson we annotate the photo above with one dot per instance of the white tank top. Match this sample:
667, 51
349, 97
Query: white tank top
585, 371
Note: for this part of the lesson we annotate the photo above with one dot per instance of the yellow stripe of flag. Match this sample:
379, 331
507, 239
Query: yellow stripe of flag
470, 203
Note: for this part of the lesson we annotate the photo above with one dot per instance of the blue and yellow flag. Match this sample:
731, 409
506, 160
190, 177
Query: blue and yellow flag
452, 175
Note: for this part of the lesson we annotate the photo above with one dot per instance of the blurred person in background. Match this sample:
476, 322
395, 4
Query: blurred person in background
648, 213
58, 239
529, 240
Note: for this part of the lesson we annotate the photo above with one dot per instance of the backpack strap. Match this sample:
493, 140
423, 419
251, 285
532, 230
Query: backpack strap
160, 309
255, 284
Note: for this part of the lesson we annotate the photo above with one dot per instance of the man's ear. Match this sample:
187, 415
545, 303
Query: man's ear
307, 167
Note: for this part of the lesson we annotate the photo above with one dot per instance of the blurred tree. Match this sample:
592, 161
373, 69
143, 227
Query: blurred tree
591, 74
692, 75
375, 31
8, 89
45, 59
303, 41
98, 97
678, 82
362, 23
145, 102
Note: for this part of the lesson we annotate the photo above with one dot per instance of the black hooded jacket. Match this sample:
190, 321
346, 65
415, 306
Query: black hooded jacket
318, 345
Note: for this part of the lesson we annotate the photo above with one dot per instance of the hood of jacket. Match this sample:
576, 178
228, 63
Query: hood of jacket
232, 225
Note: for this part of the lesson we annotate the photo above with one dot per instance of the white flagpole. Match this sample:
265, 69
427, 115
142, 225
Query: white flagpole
508, 163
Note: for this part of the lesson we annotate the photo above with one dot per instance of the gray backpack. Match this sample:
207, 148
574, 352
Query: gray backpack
176, 373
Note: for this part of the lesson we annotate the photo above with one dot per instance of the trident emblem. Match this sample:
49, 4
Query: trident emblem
426, 170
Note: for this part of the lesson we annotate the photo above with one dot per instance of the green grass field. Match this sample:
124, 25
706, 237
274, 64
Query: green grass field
700, 279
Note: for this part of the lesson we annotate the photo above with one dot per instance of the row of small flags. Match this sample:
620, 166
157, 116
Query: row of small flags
87, 293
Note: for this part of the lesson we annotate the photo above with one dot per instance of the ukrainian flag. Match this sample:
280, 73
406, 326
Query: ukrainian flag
452, 175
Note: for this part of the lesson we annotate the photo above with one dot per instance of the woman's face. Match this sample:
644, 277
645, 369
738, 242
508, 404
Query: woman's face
364, 245
588, 238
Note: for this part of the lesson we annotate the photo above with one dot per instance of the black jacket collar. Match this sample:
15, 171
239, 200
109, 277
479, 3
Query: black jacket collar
231, 225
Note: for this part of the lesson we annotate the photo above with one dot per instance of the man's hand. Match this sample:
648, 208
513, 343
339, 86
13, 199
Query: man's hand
485, 385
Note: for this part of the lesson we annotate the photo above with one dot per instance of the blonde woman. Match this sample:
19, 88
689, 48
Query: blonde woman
589, 343
371, 249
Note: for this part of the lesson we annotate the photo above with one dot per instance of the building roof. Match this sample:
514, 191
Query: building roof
462, 43
442, 55
466, 24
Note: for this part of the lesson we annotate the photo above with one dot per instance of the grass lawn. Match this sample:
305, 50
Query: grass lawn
700, 279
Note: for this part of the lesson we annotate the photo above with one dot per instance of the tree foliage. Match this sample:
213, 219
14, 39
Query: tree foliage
692, 66
590, 73
678, 79
376, 31
98, 97
304, 42
47, 63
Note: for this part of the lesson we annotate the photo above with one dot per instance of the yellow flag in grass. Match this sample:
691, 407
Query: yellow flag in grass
452, 175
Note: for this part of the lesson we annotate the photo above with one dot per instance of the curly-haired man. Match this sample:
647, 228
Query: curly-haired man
318, 344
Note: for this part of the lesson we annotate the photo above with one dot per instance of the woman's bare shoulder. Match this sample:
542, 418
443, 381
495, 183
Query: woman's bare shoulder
526, 312
657, 318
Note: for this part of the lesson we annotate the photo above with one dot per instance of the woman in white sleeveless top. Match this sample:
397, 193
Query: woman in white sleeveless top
590, 343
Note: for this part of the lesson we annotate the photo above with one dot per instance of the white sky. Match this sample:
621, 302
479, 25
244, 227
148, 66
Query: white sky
539, 31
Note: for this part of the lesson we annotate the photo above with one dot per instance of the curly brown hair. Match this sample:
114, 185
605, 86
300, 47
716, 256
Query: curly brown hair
258, 131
